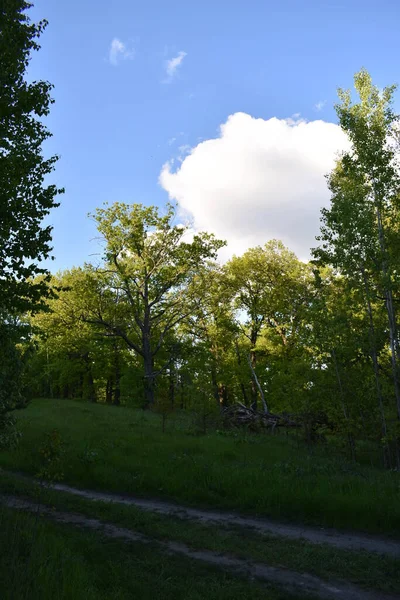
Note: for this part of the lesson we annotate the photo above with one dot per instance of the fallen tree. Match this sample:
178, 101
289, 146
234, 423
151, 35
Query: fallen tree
239, 415
314, 425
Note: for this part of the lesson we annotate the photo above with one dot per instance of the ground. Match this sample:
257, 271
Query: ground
122, 450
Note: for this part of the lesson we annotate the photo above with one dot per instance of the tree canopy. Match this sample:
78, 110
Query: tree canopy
25, 199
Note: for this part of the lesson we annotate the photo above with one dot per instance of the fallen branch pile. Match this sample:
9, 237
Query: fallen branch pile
239, 415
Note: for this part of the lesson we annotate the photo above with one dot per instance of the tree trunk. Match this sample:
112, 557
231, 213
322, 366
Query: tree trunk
344, 407
148, 381
79, 392
222, 396
394, 350
182, 392
90, 382
215, 383
92, 390
109, 387
171, 387
257, 383
49, 379
374, 357
244, 394
148, 358
117, 376
254, 394
242, 386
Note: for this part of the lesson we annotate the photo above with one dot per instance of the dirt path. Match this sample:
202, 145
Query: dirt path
289, 580
345, 541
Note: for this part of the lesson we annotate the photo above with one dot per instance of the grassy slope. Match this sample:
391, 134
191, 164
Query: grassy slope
124, 450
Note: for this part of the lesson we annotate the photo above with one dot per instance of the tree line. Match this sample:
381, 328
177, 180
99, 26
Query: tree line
160, 322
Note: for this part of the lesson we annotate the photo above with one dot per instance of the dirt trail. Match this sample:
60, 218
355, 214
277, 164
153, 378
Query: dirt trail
289, 580
345, 541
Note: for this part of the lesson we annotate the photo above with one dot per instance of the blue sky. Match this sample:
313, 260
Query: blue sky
116, 125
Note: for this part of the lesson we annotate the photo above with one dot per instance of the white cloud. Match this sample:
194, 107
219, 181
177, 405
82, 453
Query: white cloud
320, 105
260, 179
173, 64
119, 51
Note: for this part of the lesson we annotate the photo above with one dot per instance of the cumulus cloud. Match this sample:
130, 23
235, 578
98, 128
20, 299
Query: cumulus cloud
172, 65
119, 51
258, 180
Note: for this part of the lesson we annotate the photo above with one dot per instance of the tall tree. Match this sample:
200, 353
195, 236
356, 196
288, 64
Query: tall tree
72, 358
357, 230
24, 199
211, 326
268, 285
148, 266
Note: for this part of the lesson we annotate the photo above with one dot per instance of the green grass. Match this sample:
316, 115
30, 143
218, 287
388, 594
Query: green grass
47, 561
364, 569
124, 450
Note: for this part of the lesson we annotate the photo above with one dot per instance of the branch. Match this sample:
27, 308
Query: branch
165, 366
163, 250
124, 279
164, 310
117, 331
258, 384
279, 329
165, 288
166, 329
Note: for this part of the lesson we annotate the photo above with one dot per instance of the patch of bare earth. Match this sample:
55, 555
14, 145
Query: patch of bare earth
344, 541
291, 581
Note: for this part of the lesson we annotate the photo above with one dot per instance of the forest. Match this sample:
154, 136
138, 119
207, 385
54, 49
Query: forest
159, 323
215, 364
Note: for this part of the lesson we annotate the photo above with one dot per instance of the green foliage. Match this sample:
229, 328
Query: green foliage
24, 200
270, 289
74, 360
12, 368
359, 236
139, 294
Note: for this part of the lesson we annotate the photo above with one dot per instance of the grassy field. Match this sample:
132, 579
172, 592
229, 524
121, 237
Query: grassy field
125, 450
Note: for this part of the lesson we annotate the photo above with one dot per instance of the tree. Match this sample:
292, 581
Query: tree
268, 286
63, 364
147, 268
211, 327
359, 232
24, 199
12, 364
73, 359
